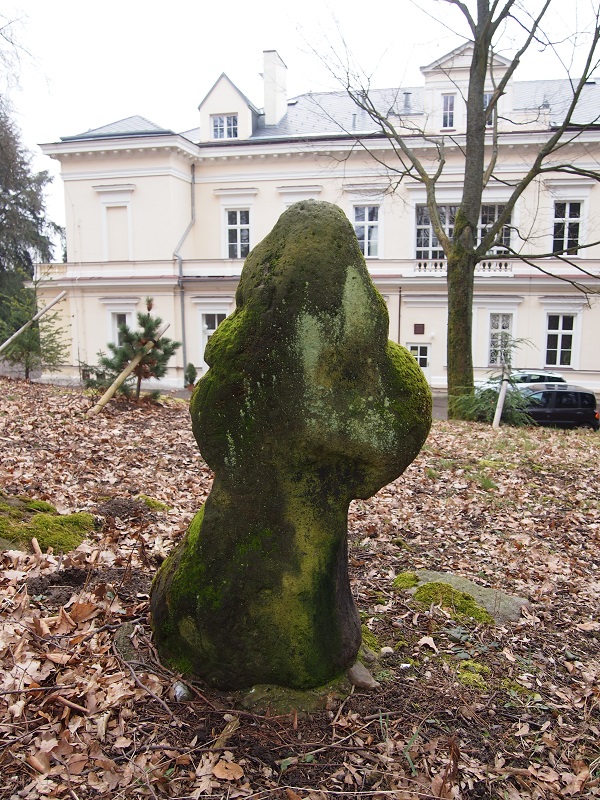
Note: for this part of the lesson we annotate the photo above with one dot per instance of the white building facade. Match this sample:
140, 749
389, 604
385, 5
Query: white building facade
153, 213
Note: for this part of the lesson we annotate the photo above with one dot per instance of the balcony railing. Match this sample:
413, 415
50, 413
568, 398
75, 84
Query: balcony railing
491, 266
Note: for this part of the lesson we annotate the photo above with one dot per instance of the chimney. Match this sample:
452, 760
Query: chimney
275, 78
407, 108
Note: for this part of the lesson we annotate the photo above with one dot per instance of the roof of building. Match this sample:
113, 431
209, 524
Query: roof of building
130, 126
335, 113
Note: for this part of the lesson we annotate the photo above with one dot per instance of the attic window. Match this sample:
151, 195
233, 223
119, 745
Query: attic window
225, 126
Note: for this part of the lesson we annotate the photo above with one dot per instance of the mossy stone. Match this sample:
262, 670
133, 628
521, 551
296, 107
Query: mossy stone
405, 580
22, 519
306, 406
461, 604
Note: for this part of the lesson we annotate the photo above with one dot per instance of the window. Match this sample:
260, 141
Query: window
238, 233
428, 246
488, 215
366, 227
447, 111
567, 217
567, 400
491, 117
118, 320
559, 339
421, 354
210, 323
540, 399
225, 126
500, 339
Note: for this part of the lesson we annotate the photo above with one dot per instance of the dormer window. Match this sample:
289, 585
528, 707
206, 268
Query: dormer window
447, 111
225, 126
491, 116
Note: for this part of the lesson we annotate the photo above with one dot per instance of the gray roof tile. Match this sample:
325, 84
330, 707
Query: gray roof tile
130, 126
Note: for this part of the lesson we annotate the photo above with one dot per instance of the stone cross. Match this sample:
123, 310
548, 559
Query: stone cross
306, 406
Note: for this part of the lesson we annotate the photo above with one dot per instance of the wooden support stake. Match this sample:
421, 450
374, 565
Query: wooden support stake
501, 398
31, 321
126, 372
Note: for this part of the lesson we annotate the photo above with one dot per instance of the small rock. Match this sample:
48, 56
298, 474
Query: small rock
368, 655
386, 652
181, 692
359, 676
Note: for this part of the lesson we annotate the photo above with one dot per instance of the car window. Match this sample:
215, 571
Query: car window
587, 400
567, 400
540, 399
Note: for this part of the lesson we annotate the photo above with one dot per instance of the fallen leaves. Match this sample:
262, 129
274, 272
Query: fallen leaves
78, 719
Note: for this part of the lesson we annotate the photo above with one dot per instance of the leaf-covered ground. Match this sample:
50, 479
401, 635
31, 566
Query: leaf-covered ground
463, 710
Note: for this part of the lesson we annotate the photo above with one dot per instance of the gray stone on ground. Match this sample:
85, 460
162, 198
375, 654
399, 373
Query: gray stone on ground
502, 607
359, 676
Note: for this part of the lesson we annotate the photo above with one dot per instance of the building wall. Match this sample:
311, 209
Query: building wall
129, 212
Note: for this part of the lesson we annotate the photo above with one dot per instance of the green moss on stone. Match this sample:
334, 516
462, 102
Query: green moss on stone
370, 639
64, 532
405, 580
305, 407
461, 603
22, 519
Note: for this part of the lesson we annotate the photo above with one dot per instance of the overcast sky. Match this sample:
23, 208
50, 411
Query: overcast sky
94, 63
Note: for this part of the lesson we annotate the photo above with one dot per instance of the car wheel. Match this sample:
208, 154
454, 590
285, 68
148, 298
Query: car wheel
586, 426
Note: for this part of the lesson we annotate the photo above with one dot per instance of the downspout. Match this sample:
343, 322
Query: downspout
399, 312
177, 256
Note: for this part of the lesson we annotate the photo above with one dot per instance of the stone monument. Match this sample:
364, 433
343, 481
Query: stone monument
306, 405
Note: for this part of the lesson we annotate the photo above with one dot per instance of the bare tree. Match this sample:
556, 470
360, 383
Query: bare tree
465, 247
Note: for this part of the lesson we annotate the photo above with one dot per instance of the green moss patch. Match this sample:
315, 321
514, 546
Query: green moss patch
405, 580
470, 673
369, 639
152, 503
460, 603
22, 519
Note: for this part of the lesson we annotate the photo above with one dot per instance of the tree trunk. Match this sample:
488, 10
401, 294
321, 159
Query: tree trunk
461, 271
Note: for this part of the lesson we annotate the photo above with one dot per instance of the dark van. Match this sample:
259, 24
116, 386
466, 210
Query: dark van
561, 405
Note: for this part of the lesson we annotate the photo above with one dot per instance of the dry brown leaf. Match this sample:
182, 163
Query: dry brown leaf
83, 611
40, 761
227, 770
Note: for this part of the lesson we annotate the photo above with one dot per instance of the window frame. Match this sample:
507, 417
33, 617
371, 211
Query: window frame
505, 235
559, 332
368, 226
435, 253
114, 306
242, 248
449, 215
491, 119
566, 222
224, 126
115, 324
503, 345
448, 111
209, 305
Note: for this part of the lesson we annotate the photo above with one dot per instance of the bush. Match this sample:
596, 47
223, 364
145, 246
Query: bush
480, 406
190, 375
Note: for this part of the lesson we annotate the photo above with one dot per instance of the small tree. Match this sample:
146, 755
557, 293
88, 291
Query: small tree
41, 346
153, 365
